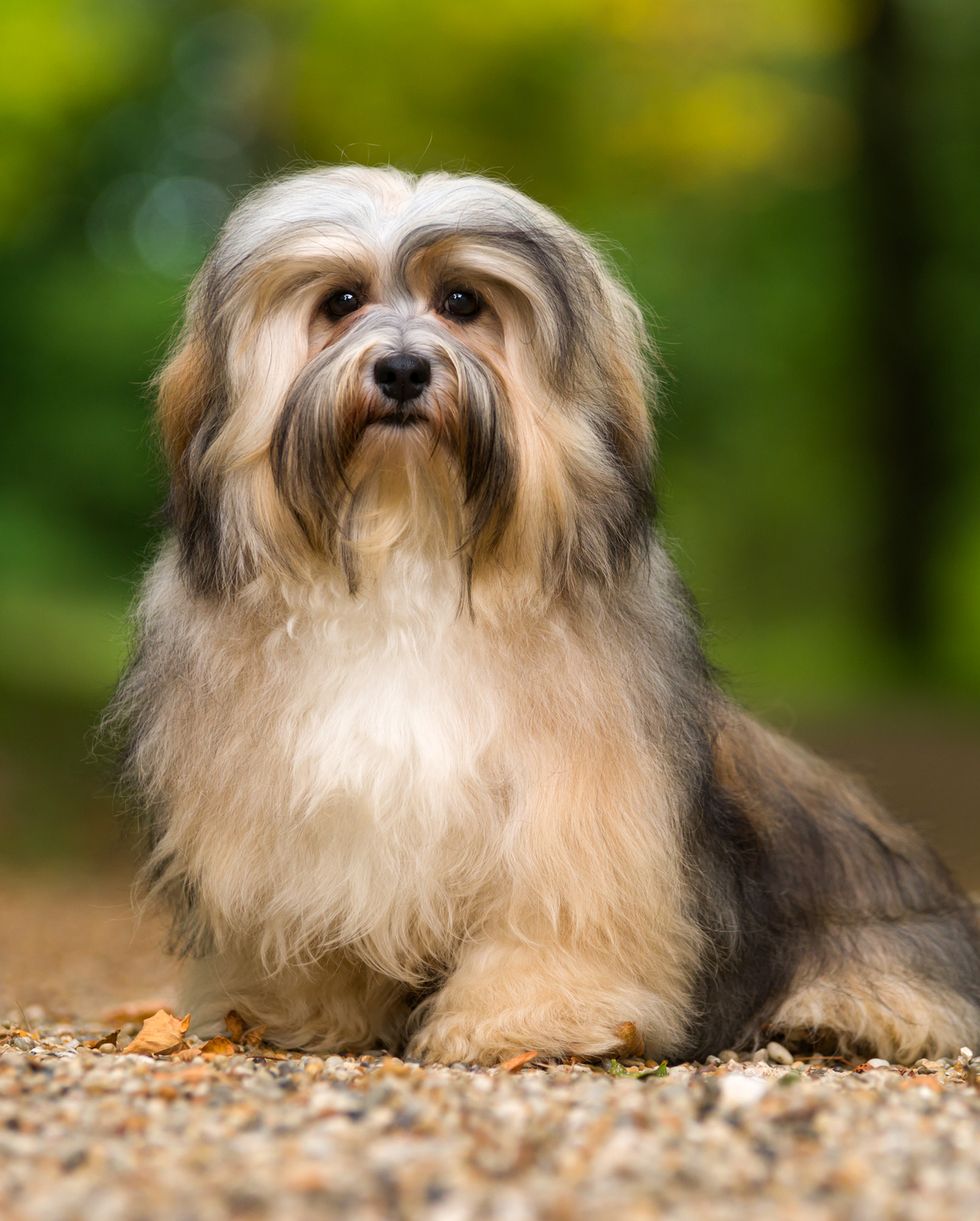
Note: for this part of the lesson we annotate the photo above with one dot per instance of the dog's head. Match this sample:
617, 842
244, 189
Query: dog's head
372, 359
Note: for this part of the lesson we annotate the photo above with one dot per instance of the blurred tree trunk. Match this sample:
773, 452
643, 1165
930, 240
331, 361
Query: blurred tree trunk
906, 445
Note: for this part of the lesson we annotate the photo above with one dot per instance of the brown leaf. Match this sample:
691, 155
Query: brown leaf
112, 1038
263, 1051
159, 1033
253, 1037
218, 1046
516, 1063
630, 1041
235, 1025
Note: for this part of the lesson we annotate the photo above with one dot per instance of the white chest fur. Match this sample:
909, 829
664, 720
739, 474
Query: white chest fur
393, 708
353, 786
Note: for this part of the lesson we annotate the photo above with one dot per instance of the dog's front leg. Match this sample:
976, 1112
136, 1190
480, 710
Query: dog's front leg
588, 950
335, 1004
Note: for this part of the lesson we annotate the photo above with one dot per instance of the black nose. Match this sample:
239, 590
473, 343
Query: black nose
403, 376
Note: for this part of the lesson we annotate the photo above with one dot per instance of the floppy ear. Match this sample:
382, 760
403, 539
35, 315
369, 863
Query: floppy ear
191, 406
607, 356
188, 391
625, 425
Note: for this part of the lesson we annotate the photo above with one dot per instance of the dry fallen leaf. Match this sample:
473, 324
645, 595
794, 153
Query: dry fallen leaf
112, 1038
235, 1025
159, 1033
516, 1063
218, 1046
253, 1037
630, 1041
263, 1051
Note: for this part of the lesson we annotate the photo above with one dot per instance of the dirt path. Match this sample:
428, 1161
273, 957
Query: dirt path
72, 946
244, 1131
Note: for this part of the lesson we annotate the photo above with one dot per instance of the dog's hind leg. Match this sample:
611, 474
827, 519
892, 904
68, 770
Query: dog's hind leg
884, 946
886, 1012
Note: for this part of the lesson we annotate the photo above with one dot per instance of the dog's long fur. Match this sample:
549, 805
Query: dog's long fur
428, 745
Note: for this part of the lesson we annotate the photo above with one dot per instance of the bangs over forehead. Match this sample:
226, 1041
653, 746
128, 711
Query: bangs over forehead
392, 219
367, 224
380, 206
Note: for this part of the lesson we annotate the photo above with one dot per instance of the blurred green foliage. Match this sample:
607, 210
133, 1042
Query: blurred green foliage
727, 151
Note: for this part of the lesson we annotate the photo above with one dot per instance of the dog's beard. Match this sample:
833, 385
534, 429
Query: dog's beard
359, 473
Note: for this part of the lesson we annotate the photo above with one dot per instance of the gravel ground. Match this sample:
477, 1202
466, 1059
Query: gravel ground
236, 1129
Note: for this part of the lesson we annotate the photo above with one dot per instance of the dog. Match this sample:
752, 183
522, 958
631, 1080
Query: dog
428, 751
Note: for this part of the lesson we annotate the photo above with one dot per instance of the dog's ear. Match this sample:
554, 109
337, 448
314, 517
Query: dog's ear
191, 406
188, 391
628, 355
626, 398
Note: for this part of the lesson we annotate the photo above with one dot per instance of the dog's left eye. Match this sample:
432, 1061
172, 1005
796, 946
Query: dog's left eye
461, 303
341, 303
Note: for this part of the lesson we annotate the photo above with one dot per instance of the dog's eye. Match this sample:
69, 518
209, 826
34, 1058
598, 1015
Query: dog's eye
341, 303
461, 303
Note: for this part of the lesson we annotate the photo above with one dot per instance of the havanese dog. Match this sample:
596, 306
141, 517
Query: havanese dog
428, 748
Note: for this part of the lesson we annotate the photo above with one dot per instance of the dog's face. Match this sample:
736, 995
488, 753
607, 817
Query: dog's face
371, 358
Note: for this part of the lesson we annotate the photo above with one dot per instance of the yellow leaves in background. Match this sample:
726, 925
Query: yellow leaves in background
730, 28
55, 59
683, 93
55, 54
713, 89
680, 93
730, 124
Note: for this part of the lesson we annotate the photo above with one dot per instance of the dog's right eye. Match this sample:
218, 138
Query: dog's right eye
341, 303
462, 304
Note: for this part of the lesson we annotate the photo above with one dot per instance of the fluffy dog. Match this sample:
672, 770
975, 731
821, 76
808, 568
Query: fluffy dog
428, 745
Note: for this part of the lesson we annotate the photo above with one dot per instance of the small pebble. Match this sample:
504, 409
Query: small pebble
878, 1063
739, 1091
778, 1054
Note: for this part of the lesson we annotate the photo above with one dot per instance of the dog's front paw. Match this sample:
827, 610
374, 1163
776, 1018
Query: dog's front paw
504, 999
452, 1038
